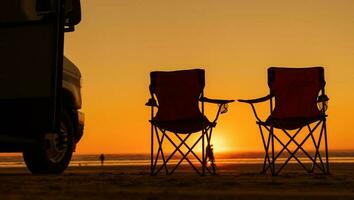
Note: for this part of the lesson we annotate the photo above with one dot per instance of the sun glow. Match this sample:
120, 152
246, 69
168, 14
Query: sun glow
220, 142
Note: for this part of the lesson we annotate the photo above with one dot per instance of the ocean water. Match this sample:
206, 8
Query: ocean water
144, 159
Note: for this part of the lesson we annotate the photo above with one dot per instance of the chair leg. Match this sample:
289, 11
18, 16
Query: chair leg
285, 147
184, 156
190, 150
155, 169
160, 141
299, 147
203, 153
203, 145
317, 145
274, 156
292, 154
273, 160
210, 154
152, 168
326, 146
266, 163
159, 150
177, 148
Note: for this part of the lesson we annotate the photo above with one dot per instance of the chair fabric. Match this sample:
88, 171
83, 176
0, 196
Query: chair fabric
295, 91
178, 94
290, 123
185, 126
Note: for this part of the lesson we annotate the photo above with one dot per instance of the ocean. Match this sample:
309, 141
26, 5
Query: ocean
16, 160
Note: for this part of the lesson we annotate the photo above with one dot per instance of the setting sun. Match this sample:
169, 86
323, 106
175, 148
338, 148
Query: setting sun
221, 144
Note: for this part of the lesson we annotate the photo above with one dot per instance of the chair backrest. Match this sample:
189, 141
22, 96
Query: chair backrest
296, 91
177, 93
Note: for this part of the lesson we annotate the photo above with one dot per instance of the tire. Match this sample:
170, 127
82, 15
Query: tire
53, 152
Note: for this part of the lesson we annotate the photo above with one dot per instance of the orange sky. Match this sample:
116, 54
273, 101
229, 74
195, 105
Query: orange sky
119, 42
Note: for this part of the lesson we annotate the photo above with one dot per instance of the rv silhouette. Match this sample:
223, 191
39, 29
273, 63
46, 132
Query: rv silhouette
39, 88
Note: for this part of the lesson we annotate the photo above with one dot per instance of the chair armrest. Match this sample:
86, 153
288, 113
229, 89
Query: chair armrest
258, 100
151, 102
216, 101
222, 104
322, 98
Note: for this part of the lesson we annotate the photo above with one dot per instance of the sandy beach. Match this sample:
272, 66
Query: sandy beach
134, 182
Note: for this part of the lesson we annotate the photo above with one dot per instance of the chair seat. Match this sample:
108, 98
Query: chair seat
290, 123
184, 126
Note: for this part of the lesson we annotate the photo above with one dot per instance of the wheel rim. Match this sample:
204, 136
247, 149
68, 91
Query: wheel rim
57, 144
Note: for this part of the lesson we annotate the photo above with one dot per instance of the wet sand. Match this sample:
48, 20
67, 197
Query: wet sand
134, 182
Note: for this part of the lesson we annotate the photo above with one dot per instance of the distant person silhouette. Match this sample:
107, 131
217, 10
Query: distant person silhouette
102, 159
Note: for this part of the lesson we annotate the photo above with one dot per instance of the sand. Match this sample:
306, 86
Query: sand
134, 182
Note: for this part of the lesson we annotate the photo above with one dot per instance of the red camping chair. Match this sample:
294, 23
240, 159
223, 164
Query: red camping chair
300, 103
178, 94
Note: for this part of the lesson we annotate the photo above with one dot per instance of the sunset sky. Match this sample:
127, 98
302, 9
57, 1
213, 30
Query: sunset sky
119, 42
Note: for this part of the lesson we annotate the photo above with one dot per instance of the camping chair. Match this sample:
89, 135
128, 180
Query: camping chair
178, 95
300, 104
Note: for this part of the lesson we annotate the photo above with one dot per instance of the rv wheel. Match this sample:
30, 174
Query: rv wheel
53, 152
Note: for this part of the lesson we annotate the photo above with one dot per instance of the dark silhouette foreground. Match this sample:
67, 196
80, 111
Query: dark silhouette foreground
235, 181
300, 104
178, 96
102, 158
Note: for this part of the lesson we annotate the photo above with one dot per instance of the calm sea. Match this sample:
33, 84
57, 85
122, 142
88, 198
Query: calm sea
16, 160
